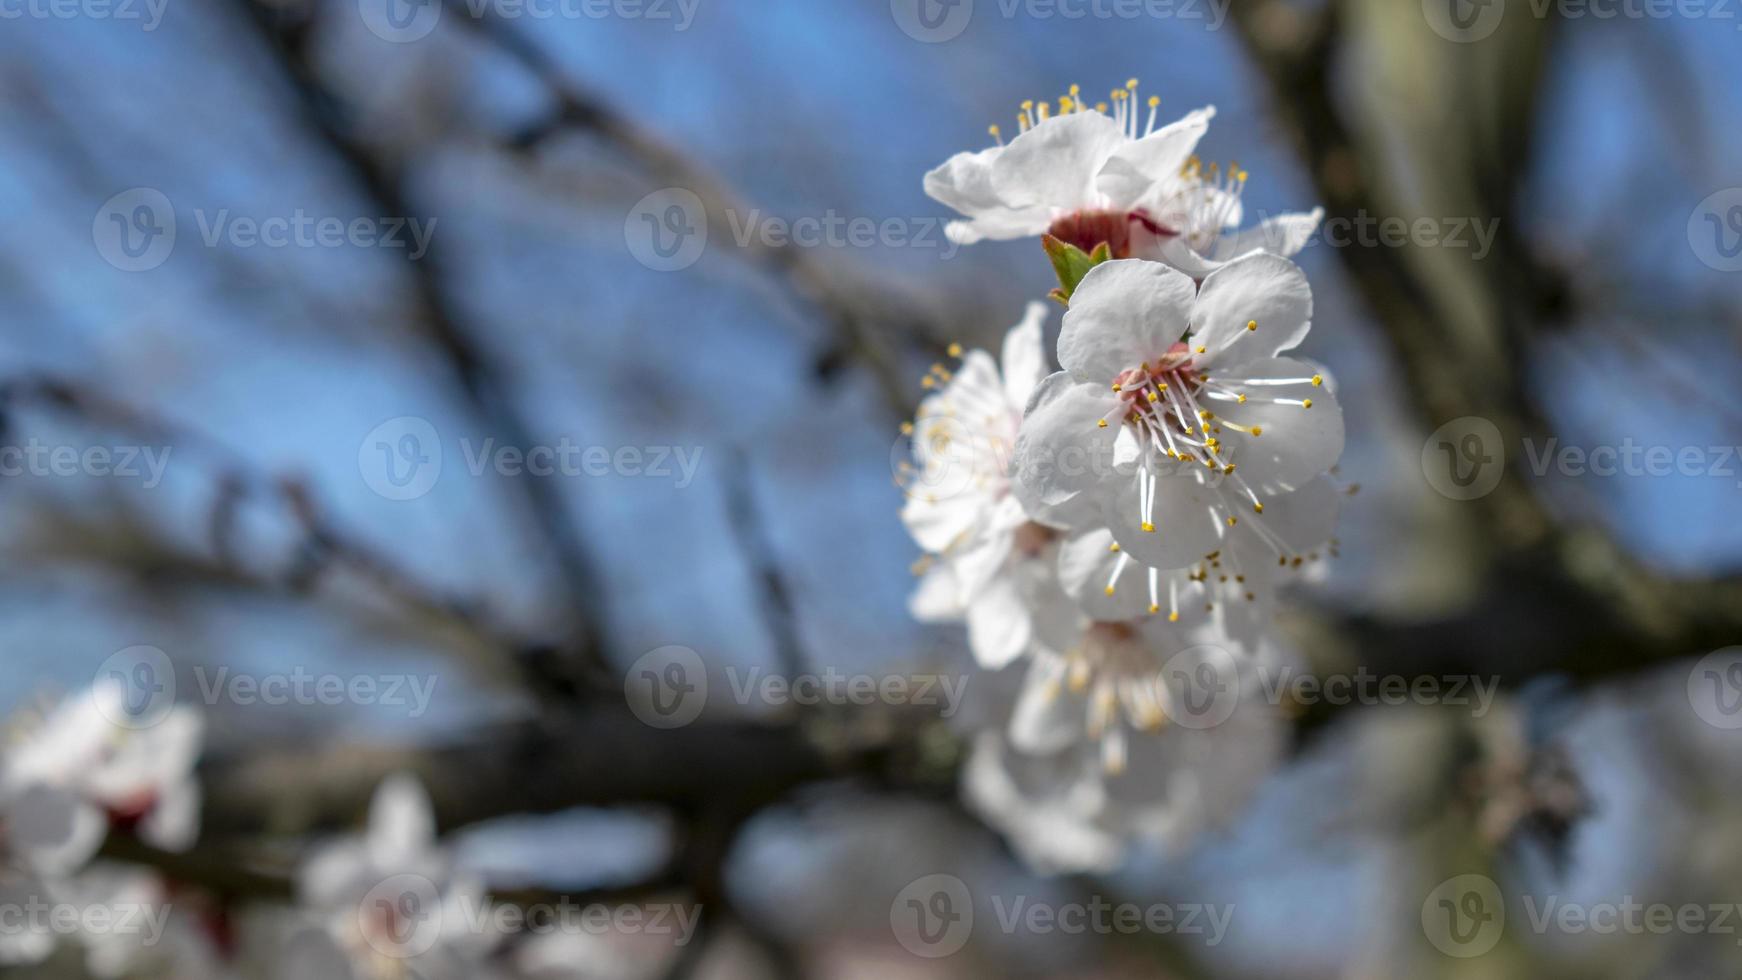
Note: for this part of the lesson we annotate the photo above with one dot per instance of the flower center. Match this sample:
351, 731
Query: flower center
1032, 538
1162, 406
1207, 202
1123, 231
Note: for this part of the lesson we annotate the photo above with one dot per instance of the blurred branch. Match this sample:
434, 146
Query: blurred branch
290, 38
778, 611
604, 756
322, 545
1551, 597
870, 318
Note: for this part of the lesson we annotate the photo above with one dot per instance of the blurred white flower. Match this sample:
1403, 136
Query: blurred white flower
392, 900
71, 774
1065, 810
990, 559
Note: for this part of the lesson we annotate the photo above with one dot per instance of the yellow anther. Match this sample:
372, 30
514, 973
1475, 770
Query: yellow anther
1308, 403
1233, 520
1154, 101
1027, 103
1251, 324
1153, 609
907, 428
1116, 386
1173, 617
1109, 590
1064, 104
927, 381
993, 129
1241, 399
1113, 547
956, 349
1257, 508
1100, 107
1257, 430
1131, 83
1201, 348
1101, 423
1148, 528
1076, 90
1154, 397
1318, 379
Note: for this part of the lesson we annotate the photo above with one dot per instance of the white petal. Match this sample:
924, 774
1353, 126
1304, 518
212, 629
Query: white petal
964, 182
1145, 173
1185, 526
1047, 717
1123, 313
1304, 519
1040, 803
173, 823
1296, 443
979, 560
1054, 164
999, 626
936, 523
1176, 254
401, 823
936, 598
1268, 290
1285, 235
1086, 564
1024, 357
1061, 450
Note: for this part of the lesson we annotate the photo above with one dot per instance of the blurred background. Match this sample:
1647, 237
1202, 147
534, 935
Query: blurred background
319, 276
